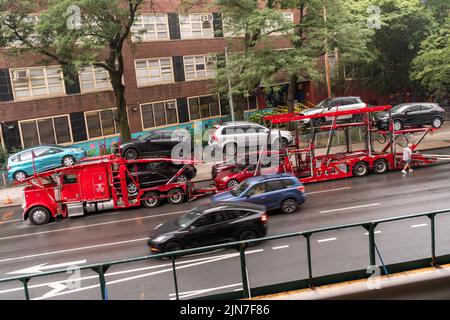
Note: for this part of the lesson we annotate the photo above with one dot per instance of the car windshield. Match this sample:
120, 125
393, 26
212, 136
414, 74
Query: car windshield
239, 168
144, 136
323, 104
400, 108
188, 218
240, 189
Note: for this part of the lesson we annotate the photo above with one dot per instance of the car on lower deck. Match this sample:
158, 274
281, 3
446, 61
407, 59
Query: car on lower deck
42, 158
412, 115
151, 174
210, 224
281, 191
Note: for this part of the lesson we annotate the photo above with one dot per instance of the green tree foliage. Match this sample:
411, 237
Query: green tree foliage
74, 33
431, 67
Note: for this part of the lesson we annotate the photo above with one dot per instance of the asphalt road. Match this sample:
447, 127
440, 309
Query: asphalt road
122, 234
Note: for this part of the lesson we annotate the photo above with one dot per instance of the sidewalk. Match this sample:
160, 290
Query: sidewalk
438, 139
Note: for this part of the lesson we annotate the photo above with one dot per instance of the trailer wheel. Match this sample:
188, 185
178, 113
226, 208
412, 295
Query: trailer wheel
360, 169
39, 216
175, 196
150, 200
380, 166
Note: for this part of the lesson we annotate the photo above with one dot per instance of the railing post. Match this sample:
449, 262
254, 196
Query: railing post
308, 255
433, 240
25, 287
371, 229
244, 273
101, 274
175, 281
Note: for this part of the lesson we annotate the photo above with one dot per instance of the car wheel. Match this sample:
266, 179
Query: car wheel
289, 206
398, 125
150, 200
248, 235
232, 183
284, 143
360, 169
172, 246
132, 189
130, 154
39, 216
437, 122
68, 161
20, 176
230, 149
182, 178
380, 166
175, 196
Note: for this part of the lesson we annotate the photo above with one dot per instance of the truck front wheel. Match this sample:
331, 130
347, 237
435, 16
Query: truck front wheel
39, 216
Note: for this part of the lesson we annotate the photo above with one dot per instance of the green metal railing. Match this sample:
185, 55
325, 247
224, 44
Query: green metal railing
241, 246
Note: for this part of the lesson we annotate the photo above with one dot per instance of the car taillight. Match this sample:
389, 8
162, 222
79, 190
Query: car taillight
214, 138
264, 218
8, 168
301, 188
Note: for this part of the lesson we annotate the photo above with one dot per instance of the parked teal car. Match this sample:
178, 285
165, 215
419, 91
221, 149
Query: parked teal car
47, 157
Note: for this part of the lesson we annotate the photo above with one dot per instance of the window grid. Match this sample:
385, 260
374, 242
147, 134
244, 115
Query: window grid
99, 114
155, 27
197, 67
198, 105
154, 71
94, 79
36, 125
153, 119
192, 26
41, 81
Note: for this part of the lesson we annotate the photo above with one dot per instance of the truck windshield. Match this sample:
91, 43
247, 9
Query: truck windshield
188, 218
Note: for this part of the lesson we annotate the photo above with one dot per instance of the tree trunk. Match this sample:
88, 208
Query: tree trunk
291, 92
122, 112
238, 112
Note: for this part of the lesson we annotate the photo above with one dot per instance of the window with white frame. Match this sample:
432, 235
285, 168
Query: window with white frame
54, 130
157, 114
273, 26
203, 107
196, 26
37, 82
101, 123
94, 79
154, 71
150, 27
200, 67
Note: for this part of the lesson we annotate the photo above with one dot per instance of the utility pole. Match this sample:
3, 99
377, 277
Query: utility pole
327, 66
230, 94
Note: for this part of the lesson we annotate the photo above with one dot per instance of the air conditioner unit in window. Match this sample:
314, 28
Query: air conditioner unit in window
20, 75
206, 18
171, 105
211, 59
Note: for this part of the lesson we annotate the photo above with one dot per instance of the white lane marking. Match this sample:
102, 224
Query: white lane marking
419, 225
57, 288
111, 274
238, 289
280, 247
91, 225
331, 190
73, 249
326, 240
9, 221
142, 276
376, 232
40, 267
351, 208
188, 294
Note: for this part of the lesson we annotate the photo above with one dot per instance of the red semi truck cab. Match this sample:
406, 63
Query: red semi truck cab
95, 185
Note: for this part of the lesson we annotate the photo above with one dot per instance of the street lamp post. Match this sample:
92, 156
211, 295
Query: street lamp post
230, 94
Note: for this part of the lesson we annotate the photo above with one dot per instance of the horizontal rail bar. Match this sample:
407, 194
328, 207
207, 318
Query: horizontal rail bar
235, 244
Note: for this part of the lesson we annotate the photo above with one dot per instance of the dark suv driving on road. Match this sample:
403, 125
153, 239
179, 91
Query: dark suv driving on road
210, 224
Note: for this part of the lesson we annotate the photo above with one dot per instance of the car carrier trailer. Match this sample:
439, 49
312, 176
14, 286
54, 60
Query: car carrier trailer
310, 167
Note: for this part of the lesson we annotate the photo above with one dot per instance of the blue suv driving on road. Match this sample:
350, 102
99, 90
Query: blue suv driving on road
281, 191
20, 165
